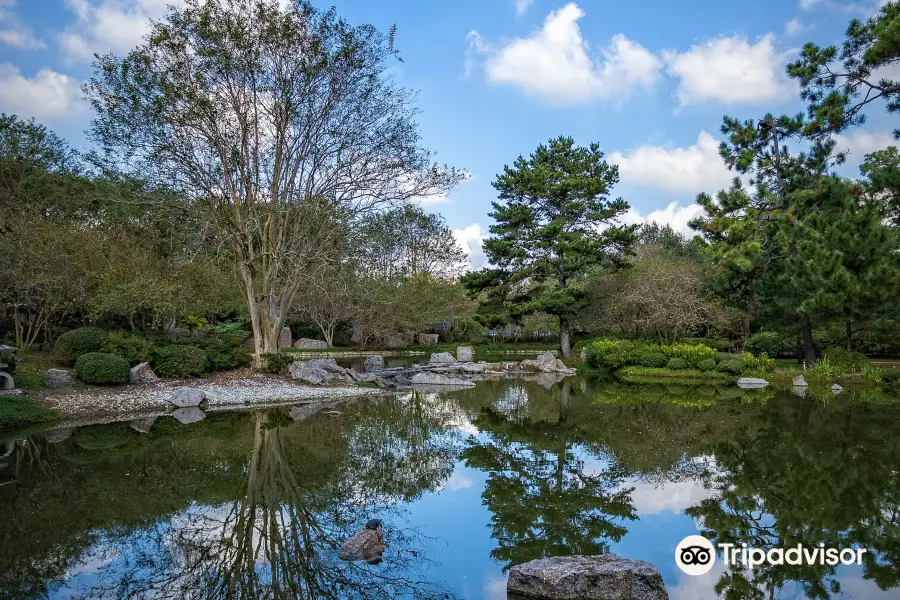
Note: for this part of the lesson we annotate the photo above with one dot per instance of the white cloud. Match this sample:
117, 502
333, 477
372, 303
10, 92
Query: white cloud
470, 239
671, 496
860, 143
674, 215
809, 4
554, 63
522, 6
103, 26
730, 70
13, 32
793, 27
46, 95
694, 169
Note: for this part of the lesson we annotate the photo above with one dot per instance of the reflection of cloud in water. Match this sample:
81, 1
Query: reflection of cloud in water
495, 589
697, 588
458, 482
854, 587
674, 496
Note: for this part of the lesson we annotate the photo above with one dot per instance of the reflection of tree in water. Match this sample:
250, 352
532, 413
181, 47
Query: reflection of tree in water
808, 474
543, 499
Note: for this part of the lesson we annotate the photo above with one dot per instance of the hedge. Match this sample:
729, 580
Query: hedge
101, 368
180, 361
72, 344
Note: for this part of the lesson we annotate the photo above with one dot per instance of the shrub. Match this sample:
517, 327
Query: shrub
692, 354
21, 411
225, 351
824, 370
180, 361
101, 368
720, 345
614, 354
707, 364
653, 360
771, 343
72, 344
277, 363
10, 360
133, 348
890, 380
733, 366
840, 357
758, 364
677, 364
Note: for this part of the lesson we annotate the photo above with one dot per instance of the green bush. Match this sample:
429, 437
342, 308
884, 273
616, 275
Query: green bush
890, 380
72, 344
758, 364
733, 366
22, 411
677, 364
277, 363
771, 343
824, 371
614, 354
180, 361
101, 368
225, 351
133, 348
692, 354
707, 364
10, 360
840, 357
720, 345
653, 360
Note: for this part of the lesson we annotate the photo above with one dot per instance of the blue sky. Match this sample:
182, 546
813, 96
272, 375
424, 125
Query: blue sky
648, 79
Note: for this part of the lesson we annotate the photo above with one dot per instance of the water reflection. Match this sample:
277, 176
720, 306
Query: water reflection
255, 505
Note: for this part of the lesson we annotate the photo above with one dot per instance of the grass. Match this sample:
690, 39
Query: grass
22, 411
635, 374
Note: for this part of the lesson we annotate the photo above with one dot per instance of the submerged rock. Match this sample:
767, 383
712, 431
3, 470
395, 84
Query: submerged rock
366, 544
605, 577
185, 397
58, 378
374, 363
751, 383
189, 415
441, 358
439, 379
142, 373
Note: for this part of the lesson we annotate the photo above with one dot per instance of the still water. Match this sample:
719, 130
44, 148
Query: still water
255, 504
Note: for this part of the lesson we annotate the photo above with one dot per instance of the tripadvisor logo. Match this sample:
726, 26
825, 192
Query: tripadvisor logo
696, 555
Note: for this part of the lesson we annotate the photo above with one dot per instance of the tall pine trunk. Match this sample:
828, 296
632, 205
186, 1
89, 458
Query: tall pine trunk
809, 349
565, 341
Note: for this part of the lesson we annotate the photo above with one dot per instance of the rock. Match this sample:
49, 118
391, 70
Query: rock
465, 354
56, 436
58, 378
366, 544
374, 363
310, 344
545, 380
185, 397
800, 390
142, 373
408, 337
751, 383
284, 338
189, 415
836, 389
395, 341
800, 381
428, 339
143, 425
583, 354
546, 363
326, 364
441, 358
310, 375
439, 379
606, 577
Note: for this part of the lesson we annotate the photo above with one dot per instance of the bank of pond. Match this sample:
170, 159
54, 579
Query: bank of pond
468, 483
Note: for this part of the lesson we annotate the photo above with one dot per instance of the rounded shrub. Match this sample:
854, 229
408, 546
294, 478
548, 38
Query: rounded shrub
613, 354
707, 364
72, 344
225, 351
277, 363
655, 360
890, 380
844, 359
733, 366
180, 361
101, 368
677, 364
133, 348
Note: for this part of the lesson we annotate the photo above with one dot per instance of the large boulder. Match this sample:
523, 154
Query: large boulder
428, 339
441, 358
752, 383
605, 577
58, 378
374, 363
188, 415
465, 354
328, 364
142, 373
546, 363
306, 374
186, 397
366, 544
439, 379
310, 344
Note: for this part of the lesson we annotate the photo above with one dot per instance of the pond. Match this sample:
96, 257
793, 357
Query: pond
254, 504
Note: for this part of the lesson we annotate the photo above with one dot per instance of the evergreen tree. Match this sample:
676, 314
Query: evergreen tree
554, 224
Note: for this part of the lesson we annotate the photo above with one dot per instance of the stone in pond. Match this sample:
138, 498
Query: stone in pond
185, 397
836, 389
751, 383
58, 378
441, 358
800, 381
605, 577
439, 379
546, 363
374, 363
366, 544
465, 354
189, 415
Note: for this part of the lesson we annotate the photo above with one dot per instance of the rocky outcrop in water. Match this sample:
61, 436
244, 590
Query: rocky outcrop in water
751, 383
427, 378
546, 363
465, 354
366, 544
605, 577
441, 358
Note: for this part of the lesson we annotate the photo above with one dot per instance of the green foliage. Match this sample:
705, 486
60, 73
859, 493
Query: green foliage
824, 371
10, 360
277, 363
613, 354
890, 380
707, 364
134, 348
640, 374
101, 368
225, 351
677, 364
103, 437
849, 361
21, 411
758, 364
733, 366
180, 361
653, 360
772, 343
73, 344
692, 354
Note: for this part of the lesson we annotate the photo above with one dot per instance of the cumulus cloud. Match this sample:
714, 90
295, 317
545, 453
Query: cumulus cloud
694, 169
674, 215
522, 6
793, 27
672, 496
15, 33
46, 95
470, 239
103, 26
859, 143
554, 65
730, 70
809, 4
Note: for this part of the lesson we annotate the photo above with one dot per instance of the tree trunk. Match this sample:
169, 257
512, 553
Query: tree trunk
809, 350
565, 343
849, 336
266, 320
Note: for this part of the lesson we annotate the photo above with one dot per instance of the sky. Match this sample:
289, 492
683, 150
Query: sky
649, 80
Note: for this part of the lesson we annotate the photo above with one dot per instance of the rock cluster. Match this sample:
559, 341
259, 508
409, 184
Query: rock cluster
546, 363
